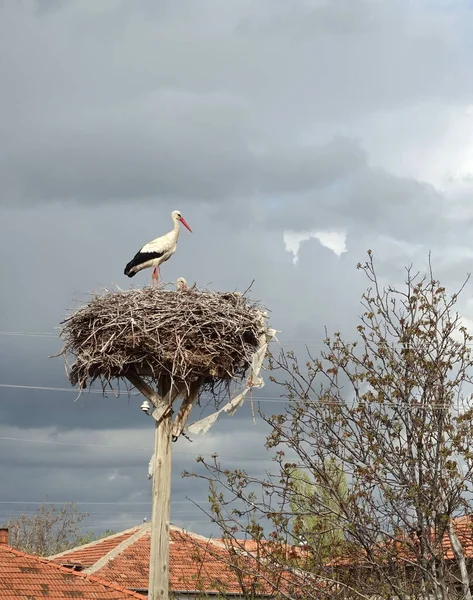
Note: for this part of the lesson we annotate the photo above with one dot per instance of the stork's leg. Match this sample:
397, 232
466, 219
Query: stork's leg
154, 277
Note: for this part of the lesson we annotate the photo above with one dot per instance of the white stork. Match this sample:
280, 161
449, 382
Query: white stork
157, 251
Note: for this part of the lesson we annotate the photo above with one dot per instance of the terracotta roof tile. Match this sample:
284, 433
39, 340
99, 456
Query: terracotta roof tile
89, 554
463, 527
196, 563
34, 578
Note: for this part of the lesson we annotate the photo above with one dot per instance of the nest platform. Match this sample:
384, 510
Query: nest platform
184, 334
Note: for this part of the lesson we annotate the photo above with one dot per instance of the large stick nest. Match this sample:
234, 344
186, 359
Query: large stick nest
186, 334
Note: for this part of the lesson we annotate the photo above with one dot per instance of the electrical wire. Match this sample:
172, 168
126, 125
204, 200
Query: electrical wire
44, 334
29, 334
114, 502
74, 391
53, 389
272, 399
76, 445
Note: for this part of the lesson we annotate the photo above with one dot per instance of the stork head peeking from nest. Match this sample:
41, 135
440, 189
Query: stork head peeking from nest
181, 284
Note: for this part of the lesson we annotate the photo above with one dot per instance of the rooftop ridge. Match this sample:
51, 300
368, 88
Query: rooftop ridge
142, 529
94, 543
197, 536
126, 562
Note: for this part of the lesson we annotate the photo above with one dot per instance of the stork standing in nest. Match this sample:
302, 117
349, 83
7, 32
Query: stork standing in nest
157, 251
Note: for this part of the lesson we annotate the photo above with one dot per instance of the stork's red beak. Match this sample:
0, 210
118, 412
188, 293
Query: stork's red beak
183, 221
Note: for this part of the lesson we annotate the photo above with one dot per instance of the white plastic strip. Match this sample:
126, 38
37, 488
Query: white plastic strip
254, 380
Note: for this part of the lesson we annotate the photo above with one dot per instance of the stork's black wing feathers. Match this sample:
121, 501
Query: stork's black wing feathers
139, 259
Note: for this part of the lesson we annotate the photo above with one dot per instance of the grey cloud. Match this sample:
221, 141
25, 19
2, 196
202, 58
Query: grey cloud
298, 169
302, 18
194, 153
186, 106
393, 204
345, 60
366, 200
111, 484
172, 143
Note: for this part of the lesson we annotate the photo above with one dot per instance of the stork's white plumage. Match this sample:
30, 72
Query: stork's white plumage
181, 285
157, 251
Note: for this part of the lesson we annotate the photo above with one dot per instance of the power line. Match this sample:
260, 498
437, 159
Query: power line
74, 391
309, 342
132, 513
55, 336
52, 442
52, 389
104, 521
76, 445
96, 515
29, 334
114, 502
272, 399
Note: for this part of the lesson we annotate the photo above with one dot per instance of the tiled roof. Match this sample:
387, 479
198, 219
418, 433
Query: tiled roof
264, 547
402, 546
464, 529
195, 564
33, 578
130, 567
195, 559
88, 554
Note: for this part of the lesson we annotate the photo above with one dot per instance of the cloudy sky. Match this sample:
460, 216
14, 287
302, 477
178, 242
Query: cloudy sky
293, 136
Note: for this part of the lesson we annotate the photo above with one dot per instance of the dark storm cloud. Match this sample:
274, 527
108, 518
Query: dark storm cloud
111, 484
120, 102
366, 200
209, 158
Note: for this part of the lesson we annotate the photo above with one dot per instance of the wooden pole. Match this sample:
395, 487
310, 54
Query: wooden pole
158, 587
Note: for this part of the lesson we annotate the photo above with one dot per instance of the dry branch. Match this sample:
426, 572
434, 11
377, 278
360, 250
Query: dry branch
186, 335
